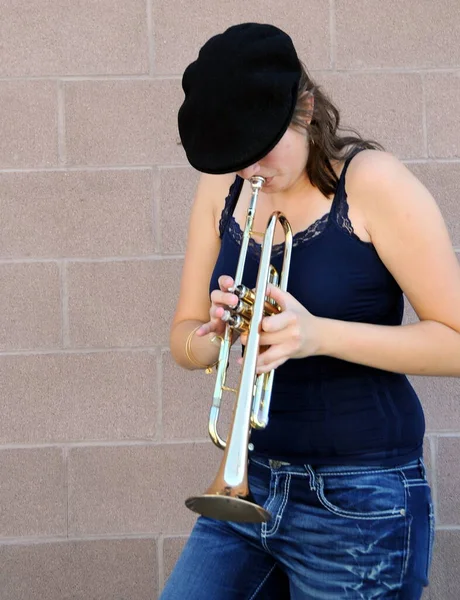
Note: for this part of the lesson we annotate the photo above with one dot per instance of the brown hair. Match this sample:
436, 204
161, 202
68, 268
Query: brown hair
323, 127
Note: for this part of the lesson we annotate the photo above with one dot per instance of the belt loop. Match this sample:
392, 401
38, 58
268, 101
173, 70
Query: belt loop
422, 467
312, 474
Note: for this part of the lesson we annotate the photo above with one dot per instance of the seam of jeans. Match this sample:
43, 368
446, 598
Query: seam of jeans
271, 498
408, 527
335, 510
361, 472
432, 523
407, 548
280, 512
417, 483
259, 587
312, 478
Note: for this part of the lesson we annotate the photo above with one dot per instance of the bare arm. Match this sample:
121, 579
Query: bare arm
411, 238
203, 246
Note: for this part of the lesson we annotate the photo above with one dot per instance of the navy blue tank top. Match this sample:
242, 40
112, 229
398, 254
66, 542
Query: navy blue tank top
325, 410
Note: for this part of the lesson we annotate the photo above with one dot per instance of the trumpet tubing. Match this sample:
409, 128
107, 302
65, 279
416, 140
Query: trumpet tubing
229, 497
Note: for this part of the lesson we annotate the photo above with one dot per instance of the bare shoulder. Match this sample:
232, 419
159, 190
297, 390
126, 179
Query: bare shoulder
409, 234
374, 170
214, 188
383, 187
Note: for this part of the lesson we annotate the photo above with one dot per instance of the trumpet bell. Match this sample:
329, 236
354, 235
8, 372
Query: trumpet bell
225, 508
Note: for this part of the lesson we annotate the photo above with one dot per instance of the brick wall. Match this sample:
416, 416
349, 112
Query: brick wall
101, 435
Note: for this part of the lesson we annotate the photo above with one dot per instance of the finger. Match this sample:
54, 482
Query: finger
278, 322
272, 358
210, 327
216, 312
270, 367
224, 298
277, 295
225, 282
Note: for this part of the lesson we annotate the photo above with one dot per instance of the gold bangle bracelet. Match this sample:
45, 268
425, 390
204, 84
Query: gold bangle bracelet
191, 357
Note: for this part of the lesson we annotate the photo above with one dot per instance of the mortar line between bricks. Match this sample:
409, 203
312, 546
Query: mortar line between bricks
151, 36
158, 76
33, 540
95, 77
103, 444
101, 259
86, 350
164, 166
332, 34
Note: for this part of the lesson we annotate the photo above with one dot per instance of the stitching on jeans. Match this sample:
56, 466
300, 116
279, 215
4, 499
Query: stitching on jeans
272, 494
408, 523
373, 472
312, 478
259, 587
279, 515
388, 514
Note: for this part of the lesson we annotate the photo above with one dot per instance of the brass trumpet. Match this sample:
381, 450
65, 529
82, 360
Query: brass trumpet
229, 497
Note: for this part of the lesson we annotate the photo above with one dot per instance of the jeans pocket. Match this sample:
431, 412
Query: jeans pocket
365, 495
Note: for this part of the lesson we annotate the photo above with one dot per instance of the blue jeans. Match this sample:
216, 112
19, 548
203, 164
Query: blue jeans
355, 533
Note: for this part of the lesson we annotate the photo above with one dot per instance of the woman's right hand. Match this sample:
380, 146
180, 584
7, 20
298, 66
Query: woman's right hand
221, 300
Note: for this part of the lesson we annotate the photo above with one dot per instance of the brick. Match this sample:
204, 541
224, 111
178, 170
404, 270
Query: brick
30, 306
448, 481
76, 213
187, 398
58, 38
441, 179
28, 127
386, 107
129, 122
121, 304
81, 570
137, 489
439, 397
172, 547
307, 21
177, 190
32, 492
77, 397
442, 107
445, 577
396, 34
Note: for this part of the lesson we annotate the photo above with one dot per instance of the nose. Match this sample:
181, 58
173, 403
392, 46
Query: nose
249, 172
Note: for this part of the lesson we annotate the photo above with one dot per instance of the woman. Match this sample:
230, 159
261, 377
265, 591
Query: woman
340, 465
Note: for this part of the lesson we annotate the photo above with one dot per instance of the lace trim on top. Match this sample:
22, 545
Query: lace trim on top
338, 213
298, 239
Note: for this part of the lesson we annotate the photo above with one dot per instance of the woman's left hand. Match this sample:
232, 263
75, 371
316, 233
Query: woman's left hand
293, 333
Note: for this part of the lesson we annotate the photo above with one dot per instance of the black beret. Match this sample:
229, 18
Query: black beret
240, 96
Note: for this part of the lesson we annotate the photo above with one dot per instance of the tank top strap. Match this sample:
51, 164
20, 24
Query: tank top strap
339, 208
230, 203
